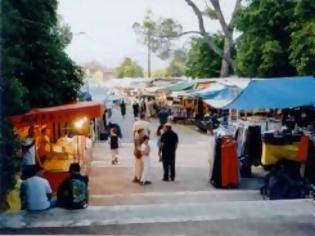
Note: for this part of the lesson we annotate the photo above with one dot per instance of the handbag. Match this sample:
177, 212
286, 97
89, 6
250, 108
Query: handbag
137, 152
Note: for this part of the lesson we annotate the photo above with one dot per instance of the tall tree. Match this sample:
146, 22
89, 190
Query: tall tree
150, 33
34, 53
35, 70
202, 62
129, 68
280, 46
214, 11
177, 65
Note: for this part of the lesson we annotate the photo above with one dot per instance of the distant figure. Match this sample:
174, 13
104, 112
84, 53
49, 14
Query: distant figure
163, 116
114, 145
43, 144
143, 106
109, 109
73, 192
145, 152
136, 108
169, 142
36, 192
105, 119
123, 108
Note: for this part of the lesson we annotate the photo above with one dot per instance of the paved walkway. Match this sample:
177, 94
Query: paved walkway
192, 164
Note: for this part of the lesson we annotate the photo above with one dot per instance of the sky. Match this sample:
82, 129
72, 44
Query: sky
102, 29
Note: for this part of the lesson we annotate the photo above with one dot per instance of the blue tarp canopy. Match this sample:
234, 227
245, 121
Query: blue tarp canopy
183, 85
287, 92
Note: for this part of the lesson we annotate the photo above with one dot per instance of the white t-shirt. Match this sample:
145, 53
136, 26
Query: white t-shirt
142, 124
29, 156
36, 190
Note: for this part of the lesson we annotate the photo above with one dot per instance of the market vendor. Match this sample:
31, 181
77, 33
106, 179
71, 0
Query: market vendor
44, 145
28, 153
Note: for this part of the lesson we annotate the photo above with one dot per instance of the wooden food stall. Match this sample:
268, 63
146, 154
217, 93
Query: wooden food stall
63, 136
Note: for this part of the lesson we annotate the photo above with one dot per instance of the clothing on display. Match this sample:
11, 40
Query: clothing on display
225, 166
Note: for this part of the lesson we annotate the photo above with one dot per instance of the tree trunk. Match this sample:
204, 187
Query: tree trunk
225, 65
149, 61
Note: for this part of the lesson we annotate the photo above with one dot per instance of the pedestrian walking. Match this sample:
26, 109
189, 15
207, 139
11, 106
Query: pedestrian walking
169, 142
163, 116
138, 164
123, 108
114, 145
145, 152
136, 108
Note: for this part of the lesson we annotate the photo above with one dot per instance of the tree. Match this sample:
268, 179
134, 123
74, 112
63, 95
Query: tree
129, 68
214, 12
302, 47
177, 66
202, 62
150, 33
35, 69
280, 46
33, 49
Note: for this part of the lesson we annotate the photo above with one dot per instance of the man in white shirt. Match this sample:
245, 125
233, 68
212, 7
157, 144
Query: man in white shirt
141, 124
36, 192
28, 153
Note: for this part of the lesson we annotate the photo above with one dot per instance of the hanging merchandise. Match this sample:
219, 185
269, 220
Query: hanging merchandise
225, 166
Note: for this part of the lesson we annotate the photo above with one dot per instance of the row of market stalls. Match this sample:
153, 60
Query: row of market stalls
63, 135
270, 120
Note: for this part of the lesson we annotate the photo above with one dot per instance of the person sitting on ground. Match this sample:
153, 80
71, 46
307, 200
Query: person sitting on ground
73, 192
36, 192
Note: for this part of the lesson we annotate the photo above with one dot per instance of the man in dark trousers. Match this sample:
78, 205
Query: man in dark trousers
169, 142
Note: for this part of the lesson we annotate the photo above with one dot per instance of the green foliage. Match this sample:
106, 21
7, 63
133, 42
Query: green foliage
35, 69
277, 38
177, 66
9, 163
129, 68
155, 34
202, 62
302, 47
33, 53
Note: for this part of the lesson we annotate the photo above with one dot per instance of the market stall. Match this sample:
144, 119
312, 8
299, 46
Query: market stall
63, 135
276, 144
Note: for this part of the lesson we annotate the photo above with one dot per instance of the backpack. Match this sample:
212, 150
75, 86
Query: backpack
79, 193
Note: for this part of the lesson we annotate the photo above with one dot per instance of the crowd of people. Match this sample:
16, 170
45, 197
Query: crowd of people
167, 139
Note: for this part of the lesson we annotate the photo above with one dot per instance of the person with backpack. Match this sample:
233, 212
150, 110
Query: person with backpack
114, 145
73, 193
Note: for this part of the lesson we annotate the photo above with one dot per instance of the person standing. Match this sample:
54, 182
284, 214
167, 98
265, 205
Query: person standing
163, 116
123, 108
169, 142
29, 154
142, 124
136, 108
145, 152
114, 145
138, 164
